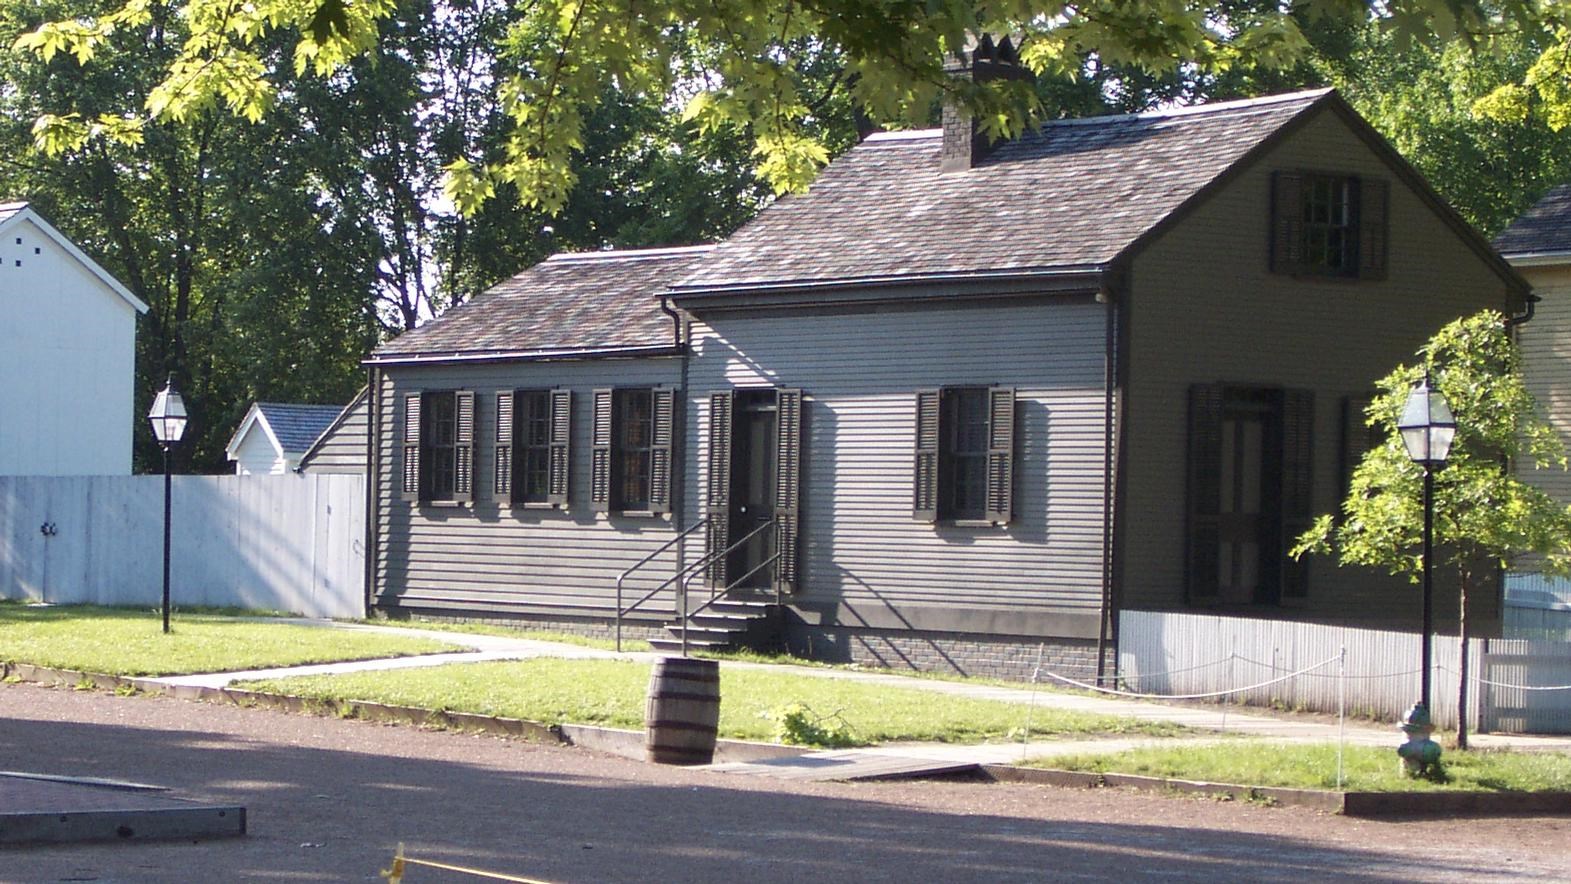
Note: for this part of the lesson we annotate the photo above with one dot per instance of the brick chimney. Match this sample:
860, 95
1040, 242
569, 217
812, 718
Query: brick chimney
982, 62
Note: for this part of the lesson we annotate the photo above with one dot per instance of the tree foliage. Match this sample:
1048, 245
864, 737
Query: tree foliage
556, 60
1484, 513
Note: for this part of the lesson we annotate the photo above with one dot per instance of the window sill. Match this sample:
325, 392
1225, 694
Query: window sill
442, 504
639, 514
971, 523
537, 505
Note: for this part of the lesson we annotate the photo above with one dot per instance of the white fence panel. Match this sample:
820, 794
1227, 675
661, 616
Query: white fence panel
292, 543
1175, 653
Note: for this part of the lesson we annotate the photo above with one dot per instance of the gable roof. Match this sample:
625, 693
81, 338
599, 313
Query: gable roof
14, 213
569, 304
1544, 231
291, 427
343, 415
1072, 195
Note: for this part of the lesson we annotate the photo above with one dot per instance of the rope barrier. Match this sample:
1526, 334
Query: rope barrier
1511, 687
395, 875
1204, 696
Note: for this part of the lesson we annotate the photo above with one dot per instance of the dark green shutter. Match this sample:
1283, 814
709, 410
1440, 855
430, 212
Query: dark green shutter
1204, 492
788, 486
1356, 438
1000, 455
924, 491
464, 450
600, 453
411, 485
502, 449
1298, 446
1287, 222
663, 404
717, 495
1374, 198
561, 446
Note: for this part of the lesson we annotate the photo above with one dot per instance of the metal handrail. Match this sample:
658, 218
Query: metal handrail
620, 611
714, 594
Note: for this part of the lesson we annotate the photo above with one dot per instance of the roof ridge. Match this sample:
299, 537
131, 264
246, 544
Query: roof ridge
629, 254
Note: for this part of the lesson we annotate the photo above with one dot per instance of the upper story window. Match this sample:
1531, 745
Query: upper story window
438, 446
1327, 224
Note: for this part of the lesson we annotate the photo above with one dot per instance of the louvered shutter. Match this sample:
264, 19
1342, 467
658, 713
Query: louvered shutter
411, 486
1204, 491
502, 449
1374, 198
717, 494
924, 492
1287, 222
464, 449
1355, 441
600, 453
663, 403
788, 486
1298, 438
561, 446
1000, 455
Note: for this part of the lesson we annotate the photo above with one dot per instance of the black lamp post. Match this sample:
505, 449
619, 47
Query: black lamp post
168, 418
1427, 429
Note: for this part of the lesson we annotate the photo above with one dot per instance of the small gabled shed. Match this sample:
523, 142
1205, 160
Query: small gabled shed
274, 436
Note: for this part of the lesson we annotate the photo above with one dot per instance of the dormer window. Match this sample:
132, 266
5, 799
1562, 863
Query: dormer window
1326, 224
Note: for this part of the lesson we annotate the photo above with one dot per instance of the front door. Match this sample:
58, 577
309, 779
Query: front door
753, 452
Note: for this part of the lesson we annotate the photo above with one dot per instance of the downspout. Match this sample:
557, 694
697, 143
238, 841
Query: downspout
679, 443
676, 327
1527, 316
1109, 380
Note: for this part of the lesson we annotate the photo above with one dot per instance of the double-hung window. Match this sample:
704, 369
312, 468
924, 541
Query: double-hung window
965, 458
438, 446
632, 459
533, 433
1329, 224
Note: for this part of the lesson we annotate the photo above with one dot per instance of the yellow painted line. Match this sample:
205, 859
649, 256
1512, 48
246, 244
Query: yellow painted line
395, 875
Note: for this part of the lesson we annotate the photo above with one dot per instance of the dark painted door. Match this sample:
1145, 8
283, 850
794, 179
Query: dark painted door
1248, 559
753, 447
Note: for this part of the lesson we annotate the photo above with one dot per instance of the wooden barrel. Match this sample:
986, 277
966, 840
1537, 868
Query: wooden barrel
683, 711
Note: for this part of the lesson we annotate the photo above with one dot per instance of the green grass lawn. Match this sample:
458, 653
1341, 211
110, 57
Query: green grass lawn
126, 641
612, 693
1366, 768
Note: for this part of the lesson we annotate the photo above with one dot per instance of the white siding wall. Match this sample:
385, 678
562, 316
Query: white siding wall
256, 455
67, 363
864, 560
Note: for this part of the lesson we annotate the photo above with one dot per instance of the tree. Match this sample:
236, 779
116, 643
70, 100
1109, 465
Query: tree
556, 60
1484, 516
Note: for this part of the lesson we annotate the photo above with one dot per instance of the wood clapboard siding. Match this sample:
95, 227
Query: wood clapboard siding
342, 448
490, 557
1546, 360
859, 373
1205, 309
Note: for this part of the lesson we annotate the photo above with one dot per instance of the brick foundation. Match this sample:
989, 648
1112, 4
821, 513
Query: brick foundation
1013, 659
589, 627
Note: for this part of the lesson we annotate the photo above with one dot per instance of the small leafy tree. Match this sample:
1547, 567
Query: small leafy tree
1484, 514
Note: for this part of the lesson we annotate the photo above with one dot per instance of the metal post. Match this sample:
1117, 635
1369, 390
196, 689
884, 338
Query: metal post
166, 538
1429, 531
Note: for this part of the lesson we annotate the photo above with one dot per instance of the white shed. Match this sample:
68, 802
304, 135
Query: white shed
275, 435
67, 355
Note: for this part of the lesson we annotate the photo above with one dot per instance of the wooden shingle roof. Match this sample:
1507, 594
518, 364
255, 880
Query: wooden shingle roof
570, 303
1071, 195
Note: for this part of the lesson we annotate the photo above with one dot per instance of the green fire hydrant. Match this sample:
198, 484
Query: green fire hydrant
1420, 755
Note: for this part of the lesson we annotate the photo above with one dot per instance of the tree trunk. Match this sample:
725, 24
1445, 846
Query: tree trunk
1461, 691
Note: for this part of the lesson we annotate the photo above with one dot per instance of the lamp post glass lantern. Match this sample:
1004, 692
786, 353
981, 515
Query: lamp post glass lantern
168, 418
1428, 429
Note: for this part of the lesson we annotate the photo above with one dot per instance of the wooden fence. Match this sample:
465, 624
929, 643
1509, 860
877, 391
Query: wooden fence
289, 543
1514, 685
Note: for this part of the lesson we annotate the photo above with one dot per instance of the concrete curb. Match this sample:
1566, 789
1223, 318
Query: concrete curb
1359, 804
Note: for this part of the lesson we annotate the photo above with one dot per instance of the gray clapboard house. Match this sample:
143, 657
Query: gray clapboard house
951, 408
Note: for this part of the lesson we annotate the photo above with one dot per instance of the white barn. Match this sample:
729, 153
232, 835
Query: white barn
67, 355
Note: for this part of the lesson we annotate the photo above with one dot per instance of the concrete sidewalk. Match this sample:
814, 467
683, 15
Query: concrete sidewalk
1250, 721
